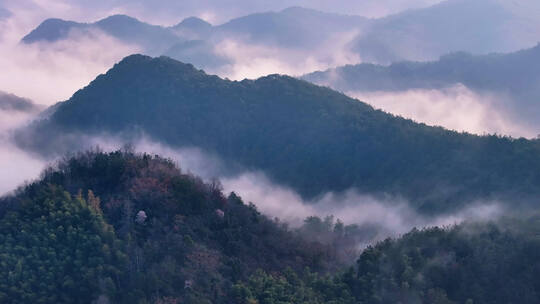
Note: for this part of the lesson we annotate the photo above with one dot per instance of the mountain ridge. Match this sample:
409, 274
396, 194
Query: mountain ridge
307, 137
514, 75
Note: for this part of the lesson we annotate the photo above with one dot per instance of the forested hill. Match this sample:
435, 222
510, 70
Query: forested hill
304, 136
125, 228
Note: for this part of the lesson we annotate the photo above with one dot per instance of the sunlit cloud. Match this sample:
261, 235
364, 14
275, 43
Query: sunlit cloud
456, 108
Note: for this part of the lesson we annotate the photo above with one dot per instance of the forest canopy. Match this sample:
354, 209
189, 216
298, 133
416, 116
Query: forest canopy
121, 227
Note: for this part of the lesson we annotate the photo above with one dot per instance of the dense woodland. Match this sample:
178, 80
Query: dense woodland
126, 228
135, 229
304, 136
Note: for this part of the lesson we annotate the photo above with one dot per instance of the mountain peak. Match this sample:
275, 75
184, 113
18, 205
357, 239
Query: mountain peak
137, 67
119, 19
51, 29
162, 62
193, 23
134, 59
299, 10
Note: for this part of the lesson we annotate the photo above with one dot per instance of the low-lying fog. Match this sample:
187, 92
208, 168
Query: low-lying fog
390, 216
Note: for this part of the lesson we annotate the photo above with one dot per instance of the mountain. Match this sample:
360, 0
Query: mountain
153, 39
123, 228
294, 27
10, 102
52, 30
301, 135
466, 263
197, 41
515, 75
480, 26
288, 28
193, 28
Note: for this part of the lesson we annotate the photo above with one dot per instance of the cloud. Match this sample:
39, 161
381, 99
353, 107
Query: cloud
17, 166
382, 216
253, 61
457, 108
390, 216
49, 72
387, 216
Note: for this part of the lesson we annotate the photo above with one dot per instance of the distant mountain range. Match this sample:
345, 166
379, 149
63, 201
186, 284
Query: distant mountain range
420, 34
195, 40
153, 39
479, 26
515, 75
304, 136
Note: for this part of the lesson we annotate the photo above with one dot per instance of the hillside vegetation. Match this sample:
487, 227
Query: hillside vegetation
135, 229
126, 228
304, 136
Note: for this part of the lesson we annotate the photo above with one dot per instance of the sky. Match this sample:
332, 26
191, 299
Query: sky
167, 12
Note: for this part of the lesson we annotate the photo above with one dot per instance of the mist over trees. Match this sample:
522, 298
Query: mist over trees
123, 227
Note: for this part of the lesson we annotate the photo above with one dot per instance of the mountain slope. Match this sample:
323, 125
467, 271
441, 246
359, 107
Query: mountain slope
153, 39
193, 28
52, 30
293, 27
469, 263
198, 42
492, 262
480, 26
287, 28
515, 75
125, 228
308, 137
121, 227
